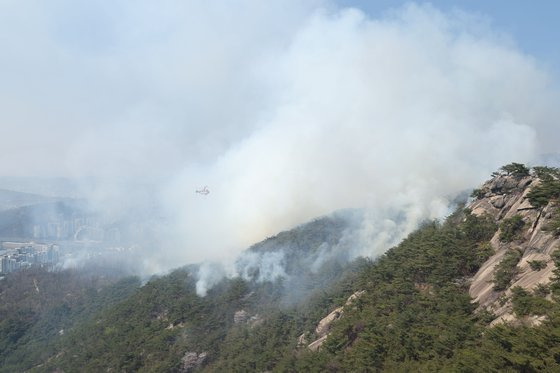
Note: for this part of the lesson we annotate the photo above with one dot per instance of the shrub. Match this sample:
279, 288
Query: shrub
555, 280
537, 265
541, 195
546, 173
515, 169
478, 228
556, 257
502, 300
477, 193
526, 304
485, 316
541, 290
548, 190
554, 225
507, 269
484, 251
510, 229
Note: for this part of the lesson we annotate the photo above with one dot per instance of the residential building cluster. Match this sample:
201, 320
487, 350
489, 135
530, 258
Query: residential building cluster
18, 255
78, 229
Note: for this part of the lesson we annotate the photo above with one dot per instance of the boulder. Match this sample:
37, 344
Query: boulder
314, 346
192, 360
525, 182
503, 184
302, 340
240, 316
498, 201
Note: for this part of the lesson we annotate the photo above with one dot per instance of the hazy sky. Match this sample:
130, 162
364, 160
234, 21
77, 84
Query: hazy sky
286, 109
75, 74
533, 25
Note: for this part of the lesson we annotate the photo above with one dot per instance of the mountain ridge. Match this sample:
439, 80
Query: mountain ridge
456, 295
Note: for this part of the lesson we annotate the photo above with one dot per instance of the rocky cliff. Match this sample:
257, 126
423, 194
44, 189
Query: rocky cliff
505, 198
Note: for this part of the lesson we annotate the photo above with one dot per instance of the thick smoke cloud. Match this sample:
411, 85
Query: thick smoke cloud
286, 111
393, 114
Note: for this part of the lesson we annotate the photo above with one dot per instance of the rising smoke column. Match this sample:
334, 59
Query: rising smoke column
287, 111
396, 115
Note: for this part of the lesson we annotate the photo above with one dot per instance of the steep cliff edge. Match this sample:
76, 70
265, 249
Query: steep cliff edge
523, 237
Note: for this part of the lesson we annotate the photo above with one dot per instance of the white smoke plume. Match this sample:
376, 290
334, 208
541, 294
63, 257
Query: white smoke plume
270, 265
286, 110
391, 114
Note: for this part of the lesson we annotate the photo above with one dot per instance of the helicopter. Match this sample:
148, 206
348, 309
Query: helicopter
204, 191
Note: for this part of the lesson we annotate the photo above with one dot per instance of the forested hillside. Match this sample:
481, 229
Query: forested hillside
37, 308
411, 309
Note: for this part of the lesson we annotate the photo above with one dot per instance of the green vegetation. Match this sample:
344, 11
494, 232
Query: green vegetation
546, 173
510, 229
537, 265
518, 170
484, 251
477, 194
397, 328
555, 280
554, 225
549, 188
414, 294
541, 290
416, 314
153, 328
507, 269
36, 305
504, 348
546, 192
525, 304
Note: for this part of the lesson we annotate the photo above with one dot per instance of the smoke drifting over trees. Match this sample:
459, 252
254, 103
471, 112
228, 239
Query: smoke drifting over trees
286, 111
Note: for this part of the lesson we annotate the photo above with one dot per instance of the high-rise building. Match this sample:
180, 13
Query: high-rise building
4, 264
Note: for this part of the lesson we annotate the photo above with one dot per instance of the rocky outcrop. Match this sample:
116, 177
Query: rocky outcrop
314, 346
354, 297
172, 326
255, 320
240, 316
192, 360
324, 326
243, 317
503, 197
302, 340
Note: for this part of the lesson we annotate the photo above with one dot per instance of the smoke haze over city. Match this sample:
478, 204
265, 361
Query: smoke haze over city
286, 111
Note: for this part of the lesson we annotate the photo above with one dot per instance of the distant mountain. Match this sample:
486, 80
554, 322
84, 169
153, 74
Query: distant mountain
28, 215
550, 159
52, 218
58, 187
10, 199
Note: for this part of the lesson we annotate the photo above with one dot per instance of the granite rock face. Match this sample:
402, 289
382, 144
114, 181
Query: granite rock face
324, 326
504, 197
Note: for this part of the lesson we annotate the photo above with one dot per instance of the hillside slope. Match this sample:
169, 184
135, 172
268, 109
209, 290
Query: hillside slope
165, 326
477, 292
467, 295
245, 326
